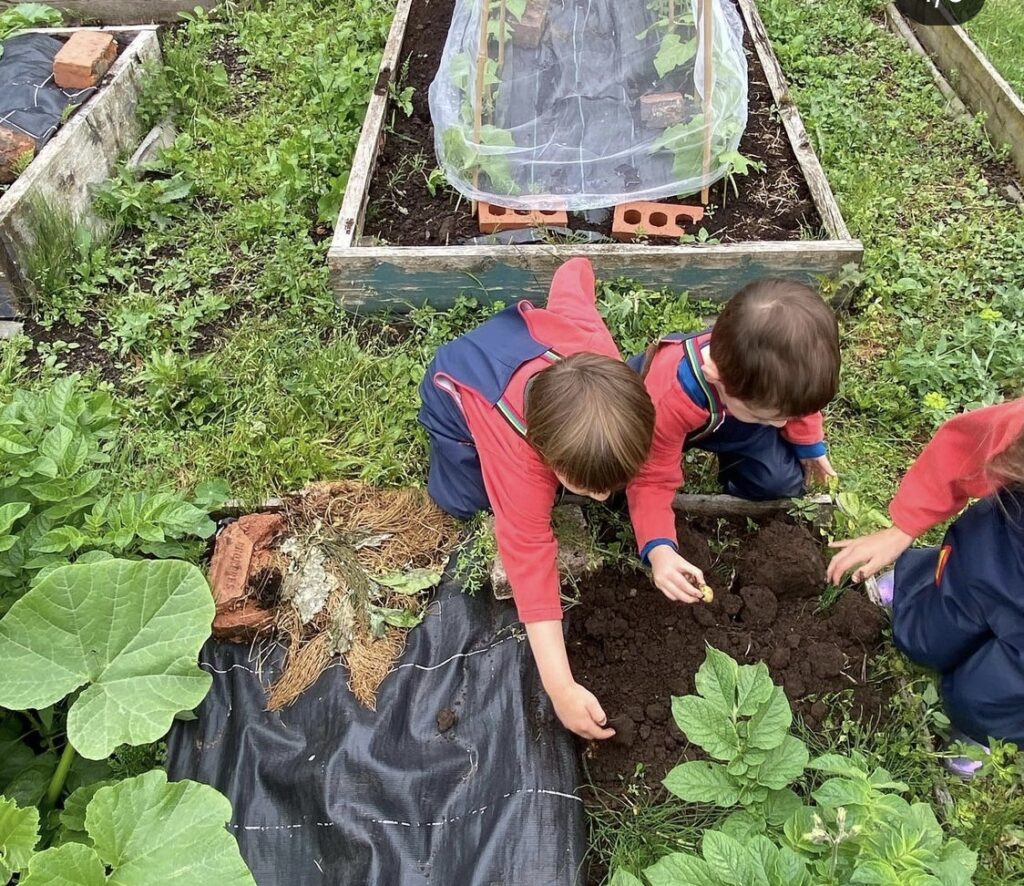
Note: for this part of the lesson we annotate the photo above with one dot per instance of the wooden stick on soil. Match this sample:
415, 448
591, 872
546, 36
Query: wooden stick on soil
478, 103
671, 15
707, 19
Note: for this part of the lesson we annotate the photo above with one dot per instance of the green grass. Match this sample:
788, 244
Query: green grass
227, 356
998, 30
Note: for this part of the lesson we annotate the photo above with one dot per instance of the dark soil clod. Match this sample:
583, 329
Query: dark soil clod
446, 719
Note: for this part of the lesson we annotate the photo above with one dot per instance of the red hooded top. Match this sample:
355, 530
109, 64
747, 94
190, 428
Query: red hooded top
520, 487
951, 469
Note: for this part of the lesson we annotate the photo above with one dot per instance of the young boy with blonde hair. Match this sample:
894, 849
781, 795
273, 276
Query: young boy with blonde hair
534, 399
751, 390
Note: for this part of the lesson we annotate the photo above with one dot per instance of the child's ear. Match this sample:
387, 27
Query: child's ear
711, 371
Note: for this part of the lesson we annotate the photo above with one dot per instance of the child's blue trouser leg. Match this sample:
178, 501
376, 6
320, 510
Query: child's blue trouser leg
985, 695
455, 480
754, 462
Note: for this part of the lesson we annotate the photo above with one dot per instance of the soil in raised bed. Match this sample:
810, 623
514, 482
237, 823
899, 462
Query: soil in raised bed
635, 649
775, 204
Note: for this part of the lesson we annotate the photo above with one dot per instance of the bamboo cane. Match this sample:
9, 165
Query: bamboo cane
501, 34
671, 15
478, 103
707, 23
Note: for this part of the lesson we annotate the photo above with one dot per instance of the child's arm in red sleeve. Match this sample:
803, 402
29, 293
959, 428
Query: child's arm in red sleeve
652, 491
521, 497
573, 293
807, 435
951, 468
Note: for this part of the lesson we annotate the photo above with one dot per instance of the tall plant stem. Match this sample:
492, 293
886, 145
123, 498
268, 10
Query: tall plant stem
501, 34
60, 776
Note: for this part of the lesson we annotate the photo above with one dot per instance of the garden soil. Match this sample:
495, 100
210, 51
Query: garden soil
635, 649
771, 205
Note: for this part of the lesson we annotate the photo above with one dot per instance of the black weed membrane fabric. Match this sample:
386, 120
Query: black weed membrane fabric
29, 99
328, 792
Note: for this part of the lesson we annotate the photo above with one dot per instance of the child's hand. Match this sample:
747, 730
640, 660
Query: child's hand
676, 578
870, 553
817, 470
581, 712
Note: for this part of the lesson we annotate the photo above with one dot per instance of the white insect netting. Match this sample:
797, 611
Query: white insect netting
583, 104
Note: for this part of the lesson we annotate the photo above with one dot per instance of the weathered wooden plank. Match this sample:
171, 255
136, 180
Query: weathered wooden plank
982, 88
353, 206
820, 189
899, 26
122, 12
385, 278
82, 154
730, 506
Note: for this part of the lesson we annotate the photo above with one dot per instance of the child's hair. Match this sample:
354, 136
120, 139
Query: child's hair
776, 346
1007, 468
591, 419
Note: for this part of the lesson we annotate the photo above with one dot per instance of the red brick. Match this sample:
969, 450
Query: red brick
662, 110
16, 149
530, 28
84, 59
498, 218
241, 625
229, 567
262, 529
653, 219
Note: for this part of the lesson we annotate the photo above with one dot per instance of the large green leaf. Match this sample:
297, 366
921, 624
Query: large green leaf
623, 877
716, 680
754, 687
731, 862
784, 764
707, 725
956, 864
128, 631
681, 869
701, 782
72, 864
19, 833
149, 832
770, 722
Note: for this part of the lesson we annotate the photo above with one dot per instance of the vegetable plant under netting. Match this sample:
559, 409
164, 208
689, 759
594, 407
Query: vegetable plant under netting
582, 104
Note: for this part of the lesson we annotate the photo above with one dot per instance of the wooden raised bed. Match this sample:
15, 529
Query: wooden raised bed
369, 277
122, 12
972, 77
82, 154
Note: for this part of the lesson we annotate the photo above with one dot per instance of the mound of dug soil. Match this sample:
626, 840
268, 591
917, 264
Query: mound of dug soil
635, 649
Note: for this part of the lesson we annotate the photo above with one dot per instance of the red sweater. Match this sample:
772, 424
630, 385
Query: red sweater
951, 469
520, 487
650, 495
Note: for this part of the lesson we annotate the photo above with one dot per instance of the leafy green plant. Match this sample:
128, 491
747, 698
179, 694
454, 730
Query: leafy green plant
52, 507
742, 721
858, 829
26, 15
486, 156
138, 626
141, 830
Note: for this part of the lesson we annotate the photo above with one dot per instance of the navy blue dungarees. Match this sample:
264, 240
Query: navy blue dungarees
959, 609
484, 360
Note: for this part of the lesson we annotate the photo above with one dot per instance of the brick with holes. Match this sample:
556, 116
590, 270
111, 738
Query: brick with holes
634, 220
498, 218
84, 59
662, 110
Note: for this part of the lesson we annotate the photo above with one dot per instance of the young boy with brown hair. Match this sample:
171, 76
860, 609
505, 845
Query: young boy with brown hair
531, 400
751, 390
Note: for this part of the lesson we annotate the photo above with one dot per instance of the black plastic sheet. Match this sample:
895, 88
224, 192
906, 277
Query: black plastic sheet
327, 791
30, 101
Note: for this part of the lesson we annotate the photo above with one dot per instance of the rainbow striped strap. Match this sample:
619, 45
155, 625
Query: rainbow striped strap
517, 422
716, 411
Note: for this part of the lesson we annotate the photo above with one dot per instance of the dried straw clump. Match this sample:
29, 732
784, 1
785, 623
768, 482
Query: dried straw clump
363, 532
